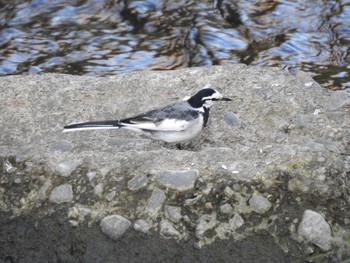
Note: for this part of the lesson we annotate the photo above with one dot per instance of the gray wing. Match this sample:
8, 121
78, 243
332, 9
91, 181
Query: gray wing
179, 111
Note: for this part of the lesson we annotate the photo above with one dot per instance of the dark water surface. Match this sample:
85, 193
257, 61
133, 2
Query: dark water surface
99, 38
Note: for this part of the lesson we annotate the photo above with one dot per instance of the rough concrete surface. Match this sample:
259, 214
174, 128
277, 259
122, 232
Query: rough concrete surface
282, 138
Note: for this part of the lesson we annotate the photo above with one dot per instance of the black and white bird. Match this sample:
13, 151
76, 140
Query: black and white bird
175, 123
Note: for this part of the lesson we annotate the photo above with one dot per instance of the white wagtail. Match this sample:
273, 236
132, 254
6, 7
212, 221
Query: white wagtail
175, 123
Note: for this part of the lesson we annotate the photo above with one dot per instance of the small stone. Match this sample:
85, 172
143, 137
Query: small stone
204, 223
17, 181
114, 226
173, 213
228, 191
110, 196
192, 201
208, 205
63, 146
155, 202
22, 201
259, 204
232, 119
137, 182
8, 167
142, 226
62, 194
167, 229
308, 84
66, 168
235, 222
316, 230
91, 175
179, 180
42, 194
226, 209
98, 190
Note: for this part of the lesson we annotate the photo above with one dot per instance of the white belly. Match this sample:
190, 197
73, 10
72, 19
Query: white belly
190, 132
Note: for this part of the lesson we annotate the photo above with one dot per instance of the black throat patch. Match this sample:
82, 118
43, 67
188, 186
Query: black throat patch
205, 116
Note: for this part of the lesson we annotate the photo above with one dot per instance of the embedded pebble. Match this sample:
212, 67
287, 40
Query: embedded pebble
228, 191
114, 226
204, 223
167, 229
232, 119
314, 228
110, 196
66, 168
226, 209
192, 201
142, 226
155, 202
235, 222
137, 182
178, 180
308, 84
98, 190
8, 167
42, 194
91, 175
259, 204
17, 181
62, 194
63, 146
173, 213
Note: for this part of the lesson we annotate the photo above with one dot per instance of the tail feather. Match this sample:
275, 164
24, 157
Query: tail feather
93, 125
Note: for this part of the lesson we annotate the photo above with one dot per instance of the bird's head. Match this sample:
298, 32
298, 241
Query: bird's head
206, 98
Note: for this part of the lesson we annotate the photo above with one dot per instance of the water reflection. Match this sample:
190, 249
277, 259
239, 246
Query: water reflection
98, 38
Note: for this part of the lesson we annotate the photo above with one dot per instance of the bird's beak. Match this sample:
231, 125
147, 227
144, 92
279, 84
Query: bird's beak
226, 99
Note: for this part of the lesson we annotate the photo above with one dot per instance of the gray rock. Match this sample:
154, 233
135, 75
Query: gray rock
17, 181
98, 189
155, 202
232, 119
316, 230
259, 204
110, 196
63, 146
205, 223
91, 175
62, 194
66, 168
137, 182
226, 209
167, 229
235, 222
114, 226
178, 180
228, 191
142, 226
42, 194
8, 167
192, 201
173, 213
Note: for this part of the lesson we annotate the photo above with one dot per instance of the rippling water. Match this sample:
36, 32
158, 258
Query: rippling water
99, 38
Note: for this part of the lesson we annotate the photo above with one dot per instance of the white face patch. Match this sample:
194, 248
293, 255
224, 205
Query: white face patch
209, 100
215, 95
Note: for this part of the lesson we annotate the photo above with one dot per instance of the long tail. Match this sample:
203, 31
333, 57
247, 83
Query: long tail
93, 126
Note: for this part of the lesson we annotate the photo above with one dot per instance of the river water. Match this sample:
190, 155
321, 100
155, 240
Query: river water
105, 37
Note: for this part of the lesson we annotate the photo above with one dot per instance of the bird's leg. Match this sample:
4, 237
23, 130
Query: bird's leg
179, 146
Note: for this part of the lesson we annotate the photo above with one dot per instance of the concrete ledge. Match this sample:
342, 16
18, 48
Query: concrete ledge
283, 138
